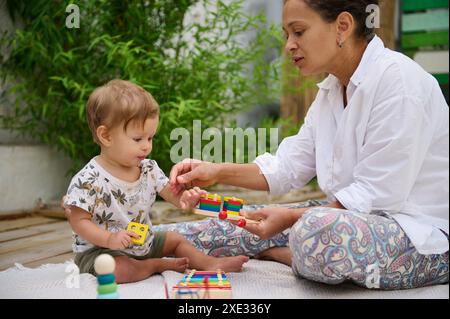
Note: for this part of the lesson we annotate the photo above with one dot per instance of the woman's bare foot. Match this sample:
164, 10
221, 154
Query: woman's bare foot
175, 264
280, 254
228, 264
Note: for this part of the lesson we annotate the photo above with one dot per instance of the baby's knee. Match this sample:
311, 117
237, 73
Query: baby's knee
174, 237
172, 242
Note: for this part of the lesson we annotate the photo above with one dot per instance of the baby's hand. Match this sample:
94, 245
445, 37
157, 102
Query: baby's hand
191, 197
121, 239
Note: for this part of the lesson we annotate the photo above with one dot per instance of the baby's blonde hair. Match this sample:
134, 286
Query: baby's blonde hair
119, 102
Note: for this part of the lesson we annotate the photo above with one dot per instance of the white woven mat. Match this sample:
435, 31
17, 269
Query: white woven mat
259, 280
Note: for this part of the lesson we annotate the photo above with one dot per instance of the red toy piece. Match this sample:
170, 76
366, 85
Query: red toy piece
242, 223
223, 215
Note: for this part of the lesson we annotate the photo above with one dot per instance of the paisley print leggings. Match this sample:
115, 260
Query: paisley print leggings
329, 246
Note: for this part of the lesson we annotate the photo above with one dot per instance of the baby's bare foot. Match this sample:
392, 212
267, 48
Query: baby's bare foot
175, 264
228, 264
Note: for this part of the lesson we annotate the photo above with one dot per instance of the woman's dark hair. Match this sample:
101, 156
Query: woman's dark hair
329, 10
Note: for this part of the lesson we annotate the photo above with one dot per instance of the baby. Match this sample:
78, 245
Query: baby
119, 186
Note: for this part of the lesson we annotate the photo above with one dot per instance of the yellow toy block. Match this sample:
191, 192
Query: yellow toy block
139, 229
234, 199
214, 197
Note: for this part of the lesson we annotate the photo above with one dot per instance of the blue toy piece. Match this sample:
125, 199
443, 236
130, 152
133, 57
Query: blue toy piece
106, 279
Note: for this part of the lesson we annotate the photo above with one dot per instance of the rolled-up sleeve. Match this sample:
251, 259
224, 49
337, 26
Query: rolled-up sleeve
293, 165
398, 135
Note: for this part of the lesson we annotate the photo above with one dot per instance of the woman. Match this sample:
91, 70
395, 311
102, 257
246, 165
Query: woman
376, 137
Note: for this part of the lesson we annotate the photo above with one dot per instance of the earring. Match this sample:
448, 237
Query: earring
341, 44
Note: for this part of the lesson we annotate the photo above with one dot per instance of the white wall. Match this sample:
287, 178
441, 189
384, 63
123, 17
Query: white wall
28, 171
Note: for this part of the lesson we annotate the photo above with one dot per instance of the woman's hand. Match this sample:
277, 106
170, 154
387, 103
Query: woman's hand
191, 197
272, 220
192, 173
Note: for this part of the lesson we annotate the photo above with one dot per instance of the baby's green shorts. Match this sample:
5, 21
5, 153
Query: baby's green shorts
85, 260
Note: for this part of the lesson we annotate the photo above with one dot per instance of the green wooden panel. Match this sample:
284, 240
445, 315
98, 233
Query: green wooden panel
428, 21
417, 5
442, 78
424, 39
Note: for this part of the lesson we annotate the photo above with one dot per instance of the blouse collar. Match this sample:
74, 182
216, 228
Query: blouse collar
373, 50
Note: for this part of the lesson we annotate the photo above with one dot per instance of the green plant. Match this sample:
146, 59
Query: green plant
53, 69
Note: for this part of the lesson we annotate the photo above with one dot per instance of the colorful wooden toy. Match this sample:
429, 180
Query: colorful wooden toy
104, 266
139, 229
203, 285
211, 203
232, 205
211, 206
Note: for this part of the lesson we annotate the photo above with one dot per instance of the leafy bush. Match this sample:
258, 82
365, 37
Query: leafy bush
54, 69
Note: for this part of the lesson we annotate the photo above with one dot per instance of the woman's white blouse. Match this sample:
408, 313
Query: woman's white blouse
387, 150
